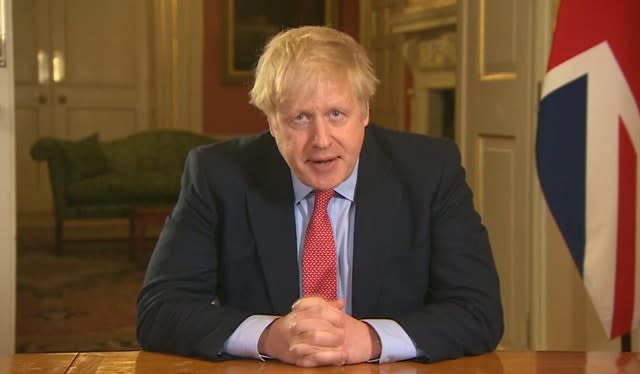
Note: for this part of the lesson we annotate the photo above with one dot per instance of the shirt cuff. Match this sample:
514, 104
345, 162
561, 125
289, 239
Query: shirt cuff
244, 341
395, 344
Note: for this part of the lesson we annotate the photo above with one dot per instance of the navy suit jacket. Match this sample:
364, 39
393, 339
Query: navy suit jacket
421, 254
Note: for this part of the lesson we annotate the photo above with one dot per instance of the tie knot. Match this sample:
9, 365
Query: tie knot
322, 199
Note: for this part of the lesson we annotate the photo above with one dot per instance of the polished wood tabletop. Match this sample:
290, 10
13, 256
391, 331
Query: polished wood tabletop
497, 362
37, 363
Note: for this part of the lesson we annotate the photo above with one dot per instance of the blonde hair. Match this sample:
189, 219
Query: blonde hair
297, 57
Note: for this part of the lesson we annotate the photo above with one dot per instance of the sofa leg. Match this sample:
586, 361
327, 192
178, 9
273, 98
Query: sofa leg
58, 237
132, 237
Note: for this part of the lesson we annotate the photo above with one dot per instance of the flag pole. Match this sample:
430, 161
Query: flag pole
625, 342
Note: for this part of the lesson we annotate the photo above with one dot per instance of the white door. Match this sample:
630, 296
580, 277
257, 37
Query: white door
33, 100
81, 67
495, 103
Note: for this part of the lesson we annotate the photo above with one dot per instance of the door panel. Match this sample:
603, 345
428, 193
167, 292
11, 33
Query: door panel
113, 123
97, 55
96, 44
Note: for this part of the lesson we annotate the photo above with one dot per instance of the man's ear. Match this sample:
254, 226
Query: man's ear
365, 115
271, 123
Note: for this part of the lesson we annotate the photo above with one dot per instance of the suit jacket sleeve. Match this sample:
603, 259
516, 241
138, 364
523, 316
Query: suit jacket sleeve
178, 310
462, 312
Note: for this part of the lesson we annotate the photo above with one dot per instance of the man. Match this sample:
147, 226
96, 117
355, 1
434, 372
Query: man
410, 275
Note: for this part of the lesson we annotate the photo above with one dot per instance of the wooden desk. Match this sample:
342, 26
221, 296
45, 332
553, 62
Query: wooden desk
53, 363
493, 363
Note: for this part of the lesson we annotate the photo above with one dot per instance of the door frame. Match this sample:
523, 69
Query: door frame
7, 193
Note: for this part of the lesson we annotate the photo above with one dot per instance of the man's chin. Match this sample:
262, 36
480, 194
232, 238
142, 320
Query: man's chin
323, 183
322, 177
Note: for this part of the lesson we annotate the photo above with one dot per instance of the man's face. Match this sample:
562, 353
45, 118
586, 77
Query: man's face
320, 133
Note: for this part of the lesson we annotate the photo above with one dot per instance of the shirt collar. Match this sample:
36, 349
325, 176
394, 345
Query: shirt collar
346, 189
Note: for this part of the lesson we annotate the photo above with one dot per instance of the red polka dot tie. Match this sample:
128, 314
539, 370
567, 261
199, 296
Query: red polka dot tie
319, 253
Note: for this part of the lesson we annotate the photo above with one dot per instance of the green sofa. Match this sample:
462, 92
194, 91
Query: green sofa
94, 179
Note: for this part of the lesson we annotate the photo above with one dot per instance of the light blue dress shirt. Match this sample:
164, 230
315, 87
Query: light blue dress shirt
396, 344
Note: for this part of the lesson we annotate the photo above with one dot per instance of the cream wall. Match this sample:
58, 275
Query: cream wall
7, 197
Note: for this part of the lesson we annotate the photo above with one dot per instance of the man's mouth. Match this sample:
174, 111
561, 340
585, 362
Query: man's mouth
323, 161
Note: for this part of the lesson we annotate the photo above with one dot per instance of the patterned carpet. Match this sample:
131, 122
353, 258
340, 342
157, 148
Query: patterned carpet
83, 300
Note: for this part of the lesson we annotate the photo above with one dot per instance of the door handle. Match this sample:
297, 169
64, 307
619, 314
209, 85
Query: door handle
62, 99
42, 99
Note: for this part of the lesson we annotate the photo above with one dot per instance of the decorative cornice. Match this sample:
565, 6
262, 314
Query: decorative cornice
422, 20
432, 53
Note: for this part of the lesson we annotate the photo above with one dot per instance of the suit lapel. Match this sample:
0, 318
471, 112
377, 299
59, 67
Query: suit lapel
377, 198
270, 210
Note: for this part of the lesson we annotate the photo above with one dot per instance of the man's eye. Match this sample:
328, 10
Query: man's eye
300, 117
337, 117
298, 120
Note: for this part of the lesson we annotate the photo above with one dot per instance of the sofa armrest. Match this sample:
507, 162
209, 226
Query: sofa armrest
46, 149
50, 150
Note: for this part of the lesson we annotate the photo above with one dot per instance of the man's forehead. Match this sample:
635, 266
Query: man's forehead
327, 92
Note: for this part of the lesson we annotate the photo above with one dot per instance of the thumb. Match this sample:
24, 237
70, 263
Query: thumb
338, 304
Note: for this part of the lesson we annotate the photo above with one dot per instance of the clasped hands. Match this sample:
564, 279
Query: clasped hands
318, 333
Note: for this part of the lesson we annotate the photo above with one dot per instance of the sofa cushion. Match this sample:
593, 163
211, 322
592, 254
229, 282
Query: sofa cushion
148, 188
152, 150
84, 158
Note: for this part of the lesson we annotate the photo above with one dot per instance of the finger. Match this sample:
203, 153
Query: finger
308, 302
320, 315
317, 305
311, 301
338, 304
308, 355
311, 329
319, 334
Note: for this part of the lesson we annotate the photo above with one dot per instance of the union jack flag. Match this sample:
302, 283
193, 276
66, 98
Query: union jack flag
587, 150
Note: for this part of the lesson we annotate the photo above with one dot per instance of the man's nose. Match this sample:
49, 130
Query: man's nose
322, 133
